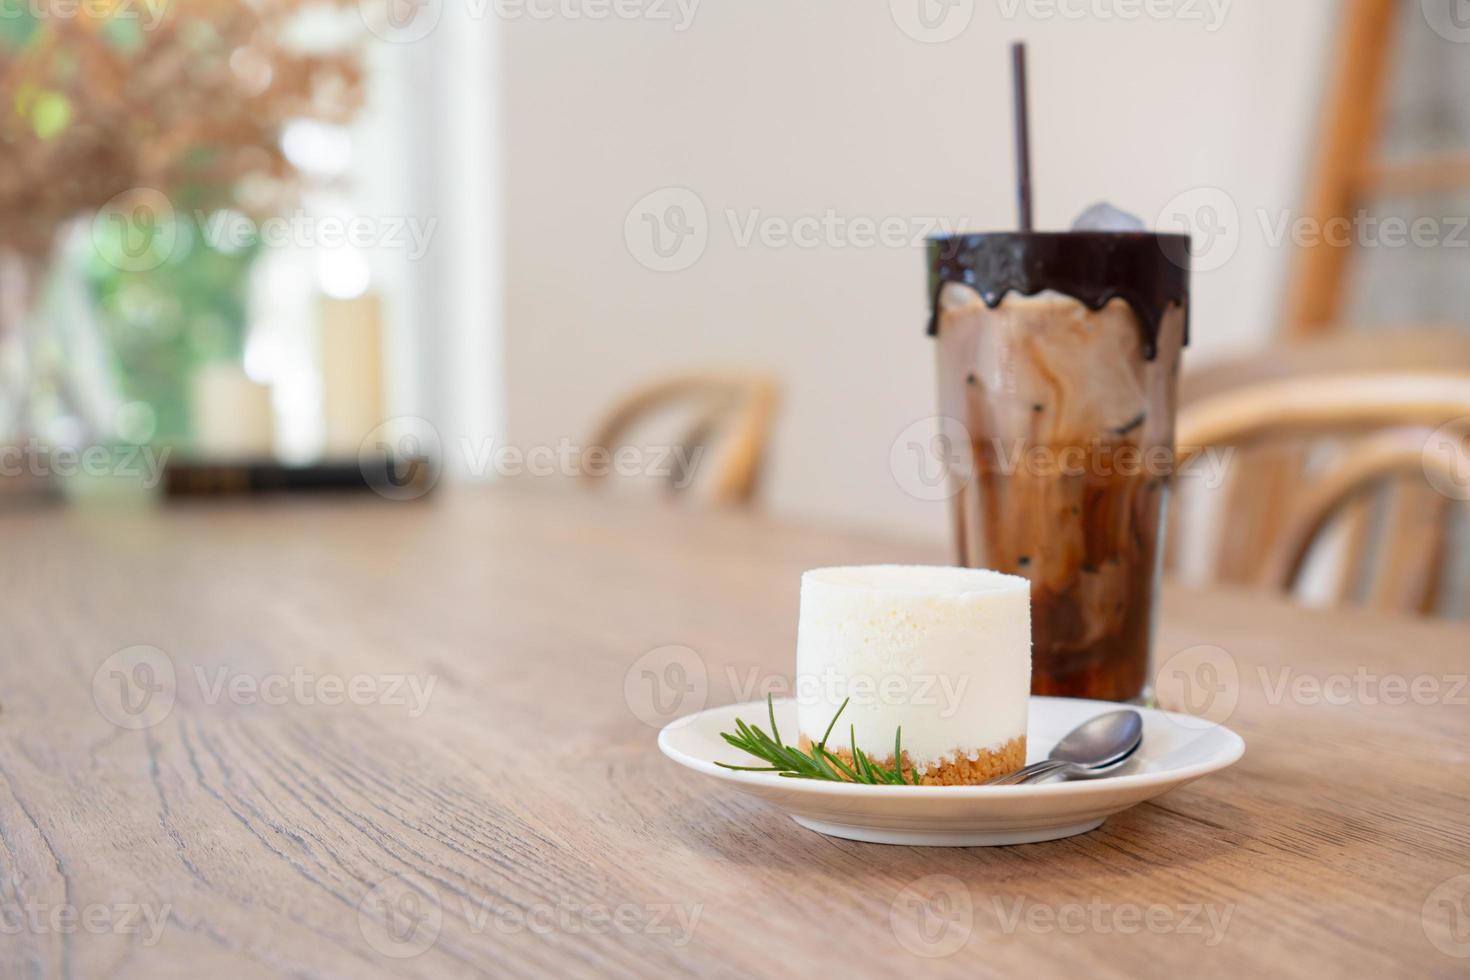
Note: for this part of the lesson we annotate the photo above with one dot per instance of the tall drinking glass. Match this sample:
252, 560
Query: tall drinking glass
1059, 355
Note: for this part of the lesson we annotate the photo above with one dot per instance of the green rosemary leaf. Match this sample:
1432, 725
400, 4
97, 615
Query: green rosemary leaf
828, 734
827, 771
858, 762
772, 749
840, 765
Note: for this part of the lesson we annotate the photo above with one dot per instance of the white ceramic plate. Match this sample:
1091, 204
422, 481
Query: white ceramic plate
1177, 749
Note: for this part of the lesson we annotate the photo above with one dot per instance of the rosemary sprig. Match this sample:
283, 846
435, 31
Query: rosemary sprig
819, 763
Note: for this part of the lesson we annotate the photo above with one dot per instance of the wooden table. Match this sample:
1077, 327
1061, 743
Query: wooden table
521, 822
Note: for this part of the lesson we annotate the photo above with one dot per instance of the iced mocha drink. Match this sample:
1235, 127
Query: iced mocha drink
1059, 354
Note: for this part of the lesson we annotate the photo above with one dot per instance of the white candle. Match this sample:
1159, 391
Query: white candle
352, 372
233, 418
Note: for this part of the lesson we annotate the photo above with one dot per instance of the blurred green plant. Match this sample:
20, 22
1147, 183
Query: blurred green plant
161, 323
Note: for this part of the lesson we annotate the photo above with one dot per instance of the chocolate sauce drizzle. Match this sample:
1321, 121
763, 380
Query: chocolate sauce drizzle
1147, 271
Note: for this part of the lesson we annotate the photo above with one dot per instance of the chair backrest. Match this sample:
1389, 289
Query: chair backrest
1347, 350
1257, 519
1385, 456
728, 412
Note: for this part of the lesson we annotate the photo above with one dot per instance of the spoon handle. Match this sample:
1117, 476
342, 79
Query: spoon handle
1036, 769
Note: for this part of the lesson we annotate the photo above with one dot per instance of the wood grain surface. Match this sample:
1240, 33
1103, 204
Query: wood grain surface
514, 818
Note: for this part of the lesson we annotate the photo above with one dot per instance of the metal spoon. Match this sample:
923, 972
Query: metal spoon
1095, 747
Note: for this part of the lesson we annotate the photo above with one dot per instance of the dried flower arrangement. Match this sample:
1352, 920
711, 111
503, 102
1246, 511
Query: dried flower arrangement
188, 100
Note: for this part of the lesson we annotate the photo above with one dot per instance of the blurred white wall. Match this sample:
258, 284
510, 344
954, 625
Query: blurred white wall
779, 109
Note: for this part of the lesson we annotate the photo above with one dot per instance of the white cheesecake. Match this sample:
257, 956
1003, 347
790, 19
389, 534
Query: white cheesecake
943, 652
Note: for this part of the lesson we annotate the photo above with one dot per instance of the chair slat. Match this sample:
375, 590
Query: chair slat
1255, 514
1357, 537
1408, 571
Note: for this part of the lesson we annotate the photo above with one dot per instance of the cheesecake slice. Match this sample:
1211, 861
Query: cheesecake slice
943, 652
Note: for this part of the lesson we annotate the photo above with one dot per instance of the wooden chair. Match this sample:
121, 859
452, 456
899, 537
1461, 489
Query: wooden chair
1276, 468
730, 415
1347, 172
1375, 428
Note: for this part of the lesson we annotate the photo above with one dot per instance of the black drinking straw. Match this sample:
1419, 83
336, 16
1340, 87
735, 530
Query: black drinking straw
1023, 134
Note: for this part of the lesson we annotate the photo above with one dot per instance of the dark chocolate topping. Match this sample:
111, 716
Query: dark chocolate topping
1147, 271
